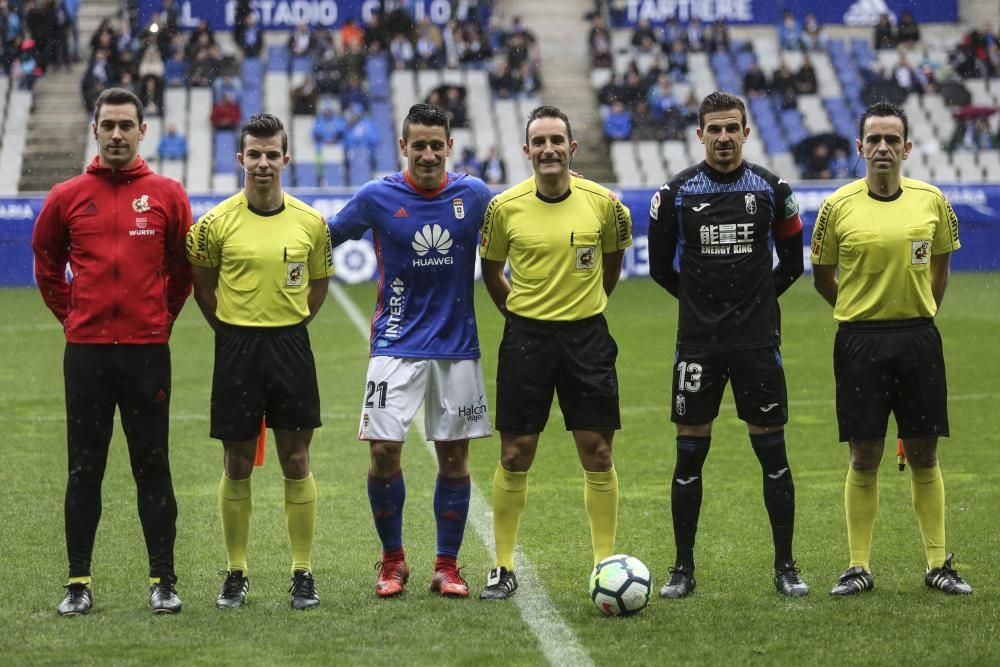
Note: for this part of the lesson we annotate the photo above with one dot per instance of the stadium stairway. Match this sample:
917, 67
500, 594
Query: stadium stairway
57, 138
562, 32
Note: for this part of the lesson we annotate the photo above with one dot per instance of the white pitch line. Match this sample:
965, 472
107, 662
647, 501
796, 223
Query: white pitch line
558, 643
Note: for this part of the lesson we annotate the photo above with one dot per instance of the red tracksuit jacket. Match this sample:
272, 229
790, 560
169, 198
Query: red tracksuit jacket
122, 233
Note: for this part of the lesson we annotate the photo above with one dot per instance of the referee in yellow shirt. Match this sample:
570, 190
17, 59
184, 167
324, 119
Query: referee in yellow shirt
262, 263
881, 249
565, 238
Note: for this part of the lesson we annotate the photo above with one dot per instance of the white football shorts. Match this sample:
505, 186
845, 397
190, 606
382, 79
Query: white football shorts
451, 390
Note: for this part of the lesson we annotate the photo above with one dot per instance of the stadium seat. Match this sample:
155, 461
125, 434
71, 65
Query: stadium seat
333, 175
224, 152
306, 174
277, 58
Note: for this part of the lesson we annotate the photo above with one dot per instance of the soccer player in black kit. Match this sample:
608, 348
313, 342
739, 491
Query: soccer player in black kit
725, 214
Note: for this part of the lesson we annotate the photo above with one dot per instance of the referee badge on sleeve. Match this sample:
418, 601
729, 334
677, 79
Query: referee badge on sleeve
295, 273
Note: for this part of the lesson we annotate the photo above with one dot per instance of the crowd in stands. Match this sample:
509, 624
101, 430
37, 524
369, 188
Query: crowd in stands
638, 101
491, 167
36, 35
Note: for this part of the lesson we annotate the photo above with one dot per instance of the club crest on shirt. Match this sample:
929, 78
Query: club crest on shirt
751, 202
654, 206
141, 205
585, 257
920, 252
294, 274
459, 208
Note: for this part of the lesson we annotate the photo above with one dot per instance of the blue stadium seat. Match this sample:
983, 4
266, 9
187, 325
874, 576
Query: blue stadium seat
333, 175
301, 64
306, 174
252, 70
359, 166
277, 58
377, 71
224, 151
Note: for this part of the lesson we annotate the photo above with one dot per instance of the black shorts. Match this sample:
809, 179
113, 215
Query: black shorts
892, 366
574, 359
263, 371
700, 376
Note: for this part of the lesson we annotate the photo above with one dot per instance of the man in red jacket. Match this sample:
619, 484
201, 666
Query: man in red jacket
121, 228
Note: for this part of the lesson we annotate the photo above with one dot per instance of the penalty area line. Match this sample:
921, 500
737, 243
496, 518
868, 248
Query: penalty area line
556, 640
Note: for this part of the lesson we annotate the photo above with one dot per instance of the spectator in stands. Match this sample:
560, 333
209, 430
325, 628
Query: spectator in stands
790, 32
754, 81
168, 27
840, 166
618, 122
151, 94
647, 54
467, 162
805, 78
173, 144
528, 79
905, 76
250, 38
611, 91
127, 82
718, 37
634, 89
72, 9
39, 20
374, 34
599, 40
200, 39
100, 75
908, 32
151, 61
926, 79
305, 96
10, 30
352, 63
353, 94
226, 114
661, 96
300, 42
813, 36
175, 70
885, 33
27, 70
502, 81
694, 35
518, 50
784, 85
645, 126
973, 135
454, 106
672, 32
678, 59
402, 53
430, 46
329, 127
227, 83
351, 34
643, 30
817, 165
874, 73
475, 50
104, 39
203, 68
360, 131
492, 168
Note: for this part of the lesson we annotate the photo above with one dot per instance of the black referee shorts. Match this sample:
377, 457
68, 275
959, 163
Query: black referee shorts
574, 359
263, 371
891, 366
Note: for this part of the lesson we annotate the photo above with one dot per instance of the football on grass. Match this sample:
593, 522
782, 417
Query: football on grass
619, 585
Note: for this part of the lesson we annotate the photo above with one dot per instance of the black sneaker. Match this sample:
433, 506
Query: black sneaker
854, 580
788, 580
79, 600
163, 598
945, 579
500, 584
681, 582
234, 590
303, 590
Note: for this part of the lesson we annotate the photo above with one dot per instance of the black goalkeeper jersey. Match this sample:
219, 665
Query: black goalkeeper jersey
725, 226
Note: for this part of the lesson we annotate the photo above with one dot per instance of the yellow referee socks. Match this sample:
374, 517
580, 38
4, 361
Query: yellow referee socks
861, 504
510, 491
600, 495
300, 518
235, 506
927, 489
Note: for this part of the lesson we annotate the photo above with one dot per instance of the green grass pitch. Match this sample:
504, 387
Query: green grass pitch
734, 617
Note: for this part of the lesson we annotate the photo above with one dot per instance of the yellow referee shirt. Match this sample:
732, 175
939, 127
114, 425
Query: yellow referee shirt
556, 247
265, 260
883, 249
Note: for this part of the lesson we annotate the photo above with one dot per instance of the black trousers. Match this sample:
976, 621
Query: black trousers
136, 379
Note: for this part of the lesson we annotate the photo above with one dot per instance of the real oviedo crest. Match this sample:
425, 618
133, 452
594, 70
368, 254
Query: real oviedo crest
459, 208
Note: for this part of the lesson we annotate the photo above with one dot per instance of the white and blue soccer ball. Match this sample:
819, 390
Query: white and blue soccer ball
620, 585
